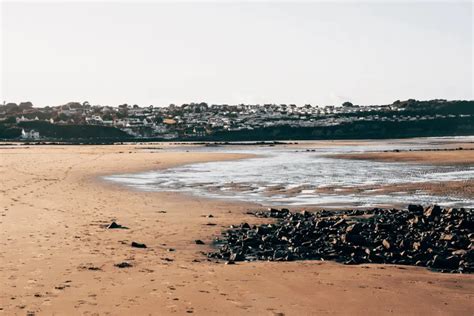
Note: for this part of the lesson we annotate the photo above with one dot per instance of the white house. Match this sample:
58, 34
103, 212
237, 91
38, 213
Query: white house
32, 134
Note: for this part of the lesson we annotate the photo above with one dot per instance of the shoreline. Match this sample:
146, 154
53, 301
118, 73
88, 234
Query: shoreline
52, 241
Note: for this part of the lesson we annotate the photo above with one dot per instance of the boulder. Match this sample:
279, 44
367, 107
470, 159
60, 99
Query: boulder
138, 245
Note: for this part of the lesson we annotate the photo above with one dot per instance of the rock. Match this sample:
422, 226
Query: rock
354, 228
465, 224
383, 227
386, 244
460, 252
114, 225
305, 213
440, 262
123, 264
415, 208
94, 268
436, 238
432, 211
138, 245
340, 222
355, 239
447, 237
280, 255
236, 256
199, 242
245, 226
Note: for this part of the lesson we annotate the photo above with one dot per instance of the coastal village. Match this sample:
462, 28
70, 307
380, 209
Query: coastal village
200, 119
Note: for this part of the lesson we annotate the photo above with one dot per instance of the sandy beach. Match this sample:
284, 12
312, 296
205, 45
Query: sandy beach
58, 259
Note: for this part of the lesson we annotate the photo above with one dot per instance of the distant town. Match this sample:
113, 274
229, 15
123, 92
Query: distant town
81, 120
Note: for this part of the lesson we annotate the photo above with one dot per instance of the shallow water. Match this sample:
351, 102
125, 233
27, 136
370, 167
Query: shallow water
288, 176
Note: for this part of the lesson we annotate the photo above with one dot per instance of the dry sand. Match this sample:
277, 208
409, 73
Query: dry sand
56, 258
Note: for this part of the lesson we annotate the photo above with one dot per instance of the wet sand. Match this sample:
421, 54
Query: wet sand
461, 189
458, 189
444, 156
448, 157
57, 258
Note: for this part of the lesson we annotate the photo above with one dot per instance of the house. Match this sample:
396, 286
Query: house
94, 120
32, 134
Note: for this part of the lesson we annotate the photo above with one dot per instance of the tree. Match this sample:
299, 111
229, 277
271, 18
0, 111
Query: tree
63, 117
25, 105
10, 120
347, 104
107, 117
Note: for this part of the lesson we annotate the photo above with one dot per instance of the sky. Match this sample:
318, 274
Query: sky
158, 53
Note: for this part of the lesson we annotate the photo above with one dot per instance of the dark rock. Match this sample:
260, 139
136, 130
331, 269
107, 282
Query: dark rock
432, 211
114, 225
245, 226
340, 222
465, 224
354, 228
383, 227
352, 238
440, 262
94, 268
431, 237
417, 209
123, 264
236, 256
138, 245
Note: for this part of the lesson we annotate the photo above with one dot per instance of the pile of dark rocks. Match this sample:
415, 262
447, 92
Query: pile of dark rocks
441, 239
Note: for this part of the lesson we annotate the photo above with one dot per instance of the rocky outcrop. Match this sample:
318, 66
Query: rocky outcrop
434, 237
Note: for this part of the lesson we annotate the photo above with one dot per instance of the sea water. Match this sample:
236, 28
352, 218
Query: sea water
294, 176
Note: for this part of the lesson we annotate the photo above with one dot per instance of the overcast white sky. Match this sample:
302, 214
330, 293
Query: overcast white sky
160, 53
